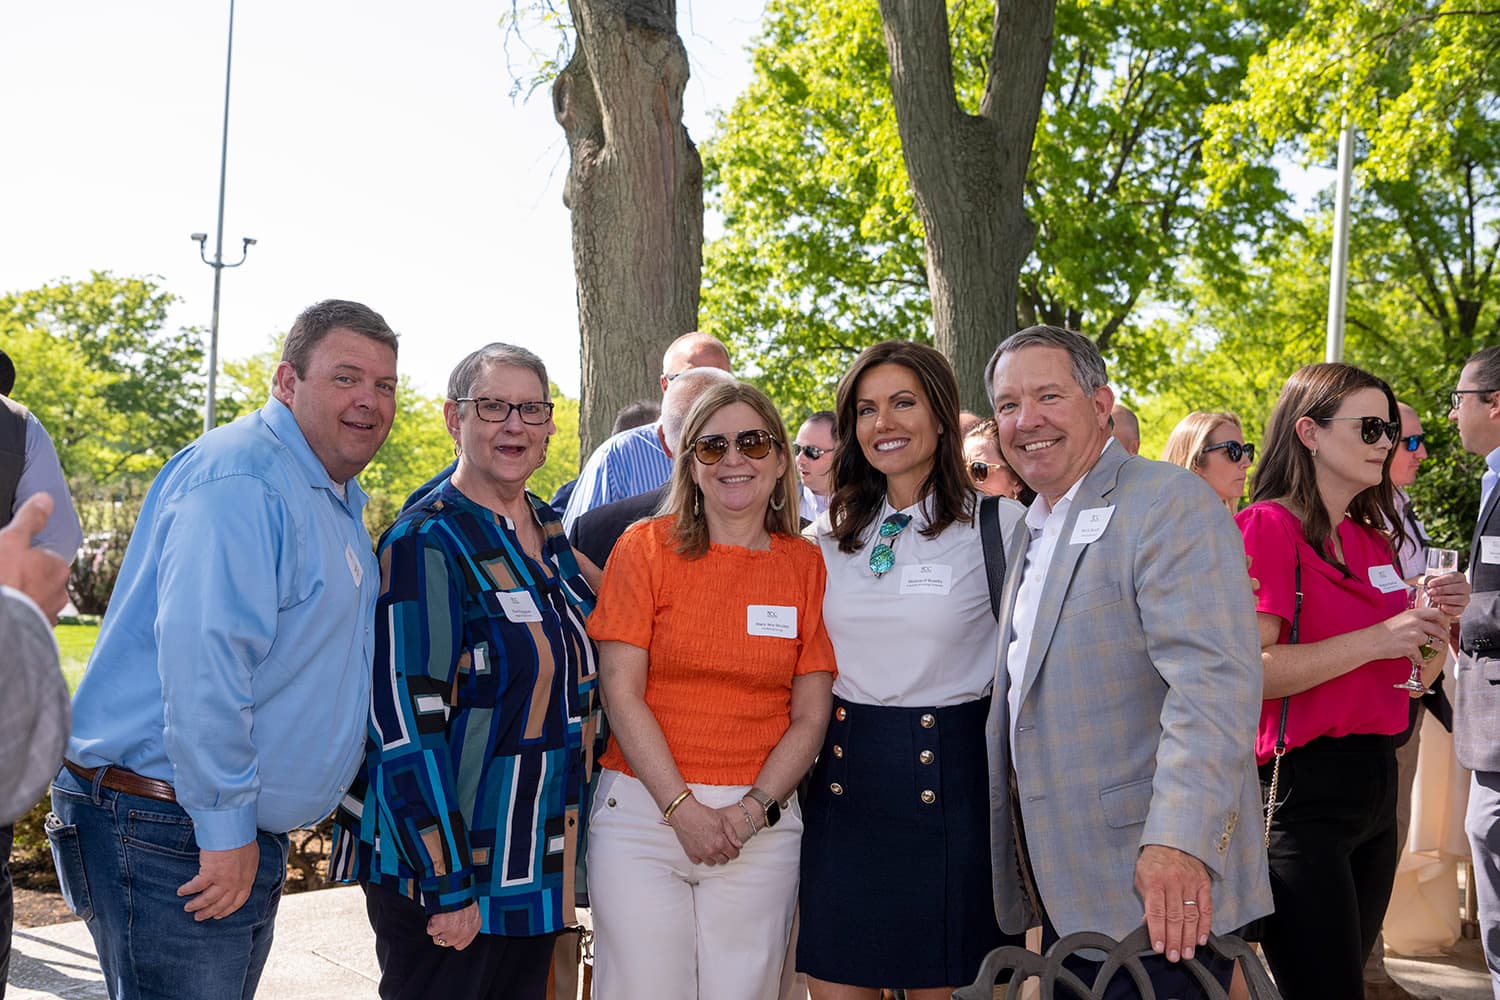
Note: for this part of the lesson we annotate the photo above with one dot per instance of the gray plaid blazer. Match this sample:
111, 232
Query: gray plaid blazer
33, 708
1139, 706
1476, 679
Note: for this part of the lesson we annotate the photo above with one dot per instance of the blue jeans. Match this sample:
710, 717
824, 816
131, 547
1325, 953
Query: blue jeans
120, 859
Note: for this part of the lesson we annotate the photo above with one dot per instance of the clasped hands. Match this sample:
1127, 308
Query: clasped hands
713, 836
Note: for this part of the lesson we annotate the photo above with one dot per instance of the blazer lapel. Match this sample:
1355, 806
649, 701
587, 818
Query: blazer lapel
1480, 525
1015, 560
1097, 483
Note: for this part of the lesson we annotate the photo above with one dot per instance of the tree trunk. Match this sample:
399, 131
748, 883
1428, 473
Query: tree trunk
968, 172
635, 194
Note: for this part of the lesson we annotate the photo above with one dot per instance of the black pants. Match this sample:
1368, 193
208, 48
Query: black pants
412, 967
7, 905
1333, 860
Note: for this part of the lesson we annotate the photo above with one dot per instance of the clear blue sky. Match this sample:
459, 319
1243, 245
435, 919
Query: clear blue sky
373, 151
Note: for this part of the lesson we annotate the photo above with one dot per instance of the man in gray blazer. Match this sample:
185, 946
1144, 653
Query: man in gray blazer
1123, 783
1476, 708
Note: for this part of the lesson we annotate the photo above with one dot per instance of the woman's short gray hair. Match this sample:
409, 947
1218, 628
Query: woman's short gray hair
1088, 364
468, 372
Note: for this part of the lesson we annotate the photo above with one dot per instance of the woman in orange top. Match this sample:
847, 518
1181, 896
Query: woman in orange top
717, 676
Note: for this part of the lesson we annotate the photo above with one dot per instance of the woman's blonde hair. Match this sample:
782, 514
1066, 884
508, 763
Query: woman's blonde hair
684, 499
1188, 439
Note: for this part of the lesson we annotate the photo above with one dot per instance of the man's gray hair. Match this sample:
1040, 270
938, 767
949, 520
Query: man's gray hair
1088, 364
682, 392
461, 383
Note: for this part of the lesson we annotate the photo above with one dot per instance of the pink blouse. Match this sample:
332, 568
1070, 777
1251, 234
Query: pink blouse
1362, 700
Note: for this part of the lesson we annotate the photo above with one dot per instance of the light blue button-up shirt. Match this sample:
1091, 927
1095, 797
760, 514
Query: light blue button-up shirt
234, 661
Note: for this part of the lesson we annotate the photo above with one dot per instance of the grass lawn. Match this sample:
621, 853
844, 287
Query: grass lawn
76, 643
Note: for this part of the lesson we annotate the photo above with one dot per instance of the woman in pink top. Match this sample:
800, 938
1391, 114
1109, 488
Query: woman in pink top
1321, 495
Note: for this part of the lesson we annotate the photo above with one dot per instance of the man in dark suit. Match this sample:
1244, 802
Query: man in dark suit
1476, 714
596, 531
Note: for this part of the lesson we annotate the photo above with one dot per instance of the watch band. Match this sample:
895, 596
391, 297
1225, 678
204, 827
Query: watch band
768, 805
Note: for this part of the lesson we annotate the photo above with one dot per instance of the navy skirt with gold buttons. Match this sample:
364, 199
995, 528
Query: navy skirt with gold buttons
896, 888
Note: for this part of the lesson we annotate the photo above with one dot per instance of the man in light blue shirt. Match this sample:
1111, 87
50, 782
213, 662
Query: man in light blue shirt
226, 698
632, 461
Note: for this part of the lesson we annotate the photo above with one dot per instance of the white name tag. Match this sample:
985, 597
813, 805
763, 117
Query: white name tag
1090, 525
927, 578
518, 606
1385, 579
771, 619
1489, 549
355, 569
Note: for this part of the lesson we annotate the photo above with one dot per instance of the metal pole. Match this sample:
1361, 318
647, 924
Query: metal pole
1338, 278
218, 261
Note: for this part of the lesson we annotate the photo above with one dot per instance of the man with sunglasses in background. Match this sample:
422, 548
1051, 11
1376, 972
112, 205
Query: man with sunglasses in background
1411, 562
814, 451
1476, 679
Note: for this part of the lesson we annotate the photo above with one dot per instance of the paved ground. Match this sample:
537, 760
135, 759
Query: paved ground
324, 951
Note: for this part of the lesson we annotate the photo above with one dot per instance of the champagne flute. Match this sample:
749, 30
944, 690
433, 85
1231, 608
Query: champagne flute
1439, 563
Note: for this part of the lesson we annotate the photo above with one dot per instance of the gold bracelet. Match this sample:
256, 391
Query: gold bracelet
666, 813
749, 820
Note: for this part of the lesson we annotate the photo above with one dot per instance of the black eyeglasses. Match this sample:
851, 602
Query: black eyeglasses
980, 471
1370, 428
1456, 396
811, 451
710, 448
1413, 441
497, 411
1233, 450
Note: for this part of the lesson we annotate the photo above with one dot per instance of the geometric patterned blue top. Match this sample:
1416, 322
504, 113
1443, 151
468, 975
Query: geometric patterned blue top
482, 721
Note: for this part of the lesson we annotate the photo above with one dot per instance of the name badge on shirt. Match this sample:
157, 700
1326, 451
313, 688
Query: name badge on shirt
926, 578
355, 569
518, 606
1489, 549
1090, 525
774, 620
1385, 579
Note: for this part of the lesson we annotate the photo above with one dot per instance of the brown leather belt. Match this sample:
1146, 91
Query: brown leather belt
117, 779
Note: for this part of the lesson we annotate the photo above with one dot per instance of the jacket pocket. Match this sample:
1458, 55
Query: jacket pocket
1090, 600
1127, 804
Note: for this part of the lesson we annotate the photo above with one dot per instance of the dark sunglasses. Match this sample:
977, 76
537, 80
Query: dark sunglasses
980, 471
811, 451
1413, 441
1233, 450
1370, 428
709, 448
883, 556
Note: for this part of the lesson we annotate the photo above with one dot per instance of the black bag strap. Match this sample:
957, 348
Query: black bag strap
994, 550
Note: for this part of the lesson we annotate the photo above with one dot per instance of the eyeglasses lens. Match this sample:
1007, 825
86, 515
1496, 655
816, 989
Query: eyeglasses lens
883, 557
1370, 429
1413, 441
753, 444
979, 471
710, 448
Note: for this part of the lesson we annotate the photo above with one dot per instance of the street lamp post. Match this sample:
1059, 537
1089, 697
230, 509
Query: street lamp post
218, 263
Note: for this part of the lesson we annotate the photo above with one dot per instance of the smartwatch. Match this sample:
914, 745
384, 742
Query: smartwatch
768, 805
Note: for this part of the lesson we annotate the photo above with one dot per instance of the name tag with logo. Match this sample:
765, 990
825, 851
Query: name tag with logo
1489, 549
926, 578
355, 569
1385, 579
518, 606
774, 620
1090, 525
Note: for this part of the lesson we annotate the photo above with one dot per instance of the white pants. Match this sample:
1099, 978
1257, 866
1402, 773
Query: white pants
667, 929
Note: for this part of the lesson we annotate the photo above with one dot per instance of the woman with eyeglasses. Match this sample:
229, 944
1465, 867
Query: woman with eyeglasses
463, 825
1213, 446
896, 885
716, 671
990, 473
1338, 640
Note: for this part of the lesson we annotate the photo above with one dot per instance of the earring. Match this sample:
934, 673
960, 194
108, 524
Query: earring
697, 503
777, 503
1314, 452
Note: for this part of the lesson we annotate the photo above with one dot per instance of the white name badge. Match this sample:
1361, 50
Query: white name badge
773, 620
1385, 579
1489, 549
355, 569
1090, 525
926, 578
518, 606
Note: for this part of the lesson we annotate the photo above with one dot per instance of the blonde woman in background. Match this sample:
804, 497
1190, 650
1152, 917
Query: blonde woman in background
1213, 446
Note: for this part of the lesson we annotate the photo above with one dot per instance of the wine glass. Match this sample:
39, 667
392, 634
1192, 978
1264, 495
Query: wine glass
1439, 562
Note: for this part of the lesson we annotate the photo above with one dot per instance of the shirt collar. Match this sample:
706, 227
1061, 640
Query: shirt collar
1040, 509
283, 425
1493, 461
